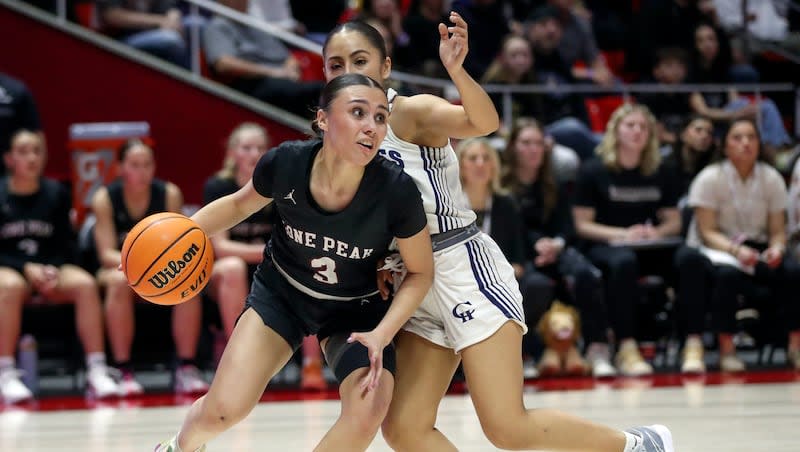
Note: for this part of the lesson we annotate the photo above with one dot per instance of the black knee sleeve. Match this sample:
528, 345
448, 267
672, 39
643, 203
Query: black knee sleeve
345, 358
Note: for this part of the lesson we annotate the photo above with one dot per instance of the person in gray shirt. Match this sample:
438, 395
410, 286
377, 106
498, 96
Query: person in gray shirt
257, 63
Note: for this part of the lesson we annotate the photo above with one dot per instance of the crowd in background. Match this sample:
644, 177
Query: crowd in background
677, 194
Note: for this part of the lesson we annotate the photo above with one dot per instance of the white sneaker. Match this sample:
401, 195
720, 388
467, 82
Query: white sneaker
12, 390
171, 445
100, 383
630, 362
655, 438
600, 359
128, 386
731, 363
693, 362
188, 380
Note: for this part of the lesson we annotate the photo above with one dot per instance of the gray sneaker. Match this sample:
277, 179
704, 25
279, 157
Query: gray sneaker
655, 438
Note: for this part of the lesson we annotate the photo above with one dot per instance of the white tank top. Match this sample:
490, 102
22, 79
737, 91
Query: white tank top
436, 173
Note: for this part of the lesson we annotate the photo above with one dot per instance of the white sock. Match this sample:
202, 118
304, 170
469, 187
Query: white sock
6, 362
95, 359
177, 447
175, 444
633, 443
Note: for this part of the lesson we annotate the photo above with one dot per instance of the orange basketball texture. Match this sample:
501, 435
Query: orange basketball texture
167, 259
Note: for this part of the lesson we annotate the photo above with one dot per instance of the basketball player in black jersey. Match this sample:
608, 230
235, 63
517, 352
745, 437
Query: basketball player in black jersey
35, 257
239, 250
117, 208
340, 208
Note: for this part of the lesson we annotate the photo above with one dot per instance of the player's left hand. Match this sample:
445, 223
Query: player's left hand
453, 42
375, 344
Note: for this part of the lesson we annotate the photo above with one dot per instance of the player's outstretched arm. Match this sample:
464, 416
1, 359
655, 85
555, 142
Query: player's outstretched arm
417, 254
228, 211
476, 116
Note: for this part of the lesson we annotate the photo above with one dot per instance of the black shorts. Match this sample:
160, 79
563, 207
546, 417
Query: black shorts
294, 315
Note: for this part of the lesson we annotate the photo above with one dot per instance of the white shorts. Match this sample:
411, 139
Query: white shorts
474, 293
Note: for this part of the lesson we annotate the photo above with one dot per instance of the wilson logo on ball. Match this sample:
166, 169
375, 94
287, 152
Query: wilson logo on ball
173, 268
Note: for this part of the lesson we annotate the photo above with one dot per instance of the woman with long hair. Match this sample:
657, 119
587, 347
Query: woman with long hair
551, 236
625, 201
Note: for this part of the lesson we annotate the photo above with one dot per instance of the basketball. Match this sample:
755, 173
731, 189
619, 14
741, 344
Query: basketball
167, 258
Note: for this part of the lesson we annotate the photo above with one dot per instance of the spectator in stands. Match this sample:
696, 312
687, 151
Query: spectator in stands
239, 250
499, 216
514, 66
550, 234
711, 67
660, 24
36, 257
670, 107
764, 21
152, 26
488, 17
740, 210
565, 116
278, 13
421, 25
793, 210
117, 207
624, 200
17, 111
692, 151
257, 63
579, 46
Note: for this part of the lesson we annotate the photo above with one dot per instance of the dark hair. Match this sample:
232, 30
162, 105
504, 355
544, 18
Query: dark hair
8, 146
546, 175
332, 88
762, 156
694, 162
128, 145
364, 29
665, 54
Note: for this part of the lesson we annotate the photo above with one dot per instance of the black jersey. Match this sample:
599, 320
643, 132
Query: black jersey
35, 227
334, 255
257, 228
123, 221
625, 197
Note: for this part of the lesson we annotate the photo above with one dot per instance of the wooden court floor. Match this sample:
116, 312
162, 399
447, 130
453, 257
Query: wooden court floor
727, 417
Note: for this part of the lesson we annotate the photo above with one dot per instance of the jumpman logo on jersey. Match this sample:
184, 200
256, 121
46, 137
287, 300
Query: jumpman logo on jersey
290, 197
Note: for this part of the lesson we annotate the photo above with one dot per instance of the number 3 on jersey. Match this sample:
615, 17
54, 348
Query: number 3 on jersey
326, 270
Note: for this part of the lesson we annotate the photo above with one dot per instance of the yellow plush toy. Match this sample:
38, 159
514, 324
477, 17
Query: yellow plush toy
560, 328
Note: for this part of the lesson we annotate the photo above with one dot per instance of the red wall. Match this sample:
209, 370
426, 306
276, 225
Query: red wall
74, 81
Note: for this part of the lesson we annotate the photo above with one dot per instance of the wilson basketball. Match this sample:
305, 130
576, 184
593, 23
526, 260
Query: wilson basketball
167, 258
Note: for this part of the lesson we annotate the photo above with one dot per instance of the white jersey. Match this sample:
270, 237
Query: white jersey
436, 173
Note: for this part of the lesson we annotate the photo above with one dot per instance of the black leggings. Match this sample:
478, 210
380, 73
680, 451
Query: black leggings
695, 279
621, 267
784, 281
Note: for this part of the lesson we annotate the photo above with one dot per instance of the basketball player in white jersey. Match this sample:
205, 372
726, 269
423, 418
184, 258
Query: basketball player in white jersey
473, 313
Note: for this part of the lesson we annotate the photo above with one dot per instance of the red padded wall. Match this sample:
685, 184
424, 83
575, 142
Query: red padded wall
73, 81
